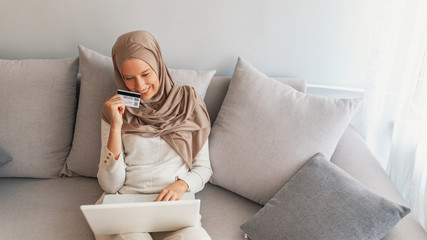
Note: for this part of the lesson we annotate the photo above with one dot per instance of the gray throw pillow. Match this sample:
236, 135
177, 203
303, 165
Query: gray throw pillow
266, 131
4, 157
322, 201
97, 83
38, 109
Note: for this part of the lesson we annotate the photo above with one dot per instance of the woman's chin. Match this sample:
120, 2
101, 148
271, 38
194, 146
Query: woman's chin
146, 97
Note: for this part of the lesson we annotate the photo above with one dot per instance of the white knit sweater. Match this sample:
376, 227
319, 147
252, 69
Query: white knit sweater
147, 165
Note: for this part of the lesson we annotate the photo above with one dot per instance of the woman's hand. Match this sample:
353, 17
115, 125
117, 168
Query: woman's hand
173, 192
115, 109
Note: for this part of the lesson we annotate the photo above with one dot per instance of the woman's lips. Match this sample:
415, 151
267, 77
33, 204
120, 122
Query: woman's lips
144, 91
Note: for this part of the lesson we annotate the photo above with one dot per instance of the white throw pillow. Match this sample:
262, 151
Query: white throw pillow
96, 84
266, 131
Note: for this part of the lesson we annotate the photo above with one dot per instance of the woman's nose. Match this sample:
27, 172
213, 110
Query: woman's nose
139, 84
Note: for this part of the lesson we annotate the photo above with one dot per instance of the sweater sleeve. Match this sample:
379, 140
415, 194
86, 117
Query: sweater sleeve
201, 171
111, 172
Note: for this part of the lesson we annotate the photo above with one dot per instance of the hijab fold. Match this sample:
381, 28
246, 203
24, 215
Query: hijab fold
176, 113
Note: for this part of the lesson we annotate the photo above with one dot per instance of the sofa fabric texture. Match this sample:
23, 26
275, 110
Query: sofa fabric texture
266, 128
37, 115
4, 157
46, 209
322, 201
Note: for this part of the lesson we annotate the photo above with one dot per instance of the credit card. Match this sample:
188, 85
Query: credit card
131, 99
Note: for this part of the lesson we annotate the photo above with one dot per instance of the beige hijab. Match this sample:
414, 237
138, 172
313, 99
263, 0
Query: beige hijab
176, 113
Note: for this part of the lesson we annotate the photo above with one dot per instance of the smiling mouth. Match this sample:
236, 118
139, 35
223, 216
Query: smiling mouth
144, 91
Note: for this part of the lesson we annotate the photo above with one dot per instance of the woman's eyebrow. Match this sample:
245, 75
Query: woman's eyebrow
139, 73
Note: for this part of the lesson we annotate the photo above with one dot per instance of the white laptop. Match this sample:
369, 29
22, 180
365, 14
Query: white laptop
125, 213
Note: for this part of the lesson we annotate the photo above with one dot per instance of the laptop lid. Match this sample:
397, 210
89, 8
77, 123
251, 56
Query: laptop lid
116, 218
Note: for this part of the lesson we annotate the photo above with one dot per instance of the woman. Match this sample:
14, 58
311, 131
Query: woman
160, 147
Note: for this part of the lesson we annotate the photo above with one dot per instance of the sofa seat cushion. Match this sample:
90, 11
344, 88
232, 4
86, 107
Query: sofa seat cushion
47, 209
223, 212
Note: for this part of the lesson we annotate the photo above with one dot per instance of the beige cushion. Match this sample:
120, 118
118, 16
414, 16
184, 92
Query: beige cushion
96, 84
37, 115
198, 79
266, 131
218, 89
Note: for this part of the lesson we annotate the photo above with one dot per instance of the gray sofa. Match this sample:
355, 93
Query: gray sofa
48, 209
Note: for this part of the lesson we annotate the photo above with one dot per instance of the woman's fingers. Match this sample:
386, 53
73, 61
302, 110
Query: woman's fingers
175, 197
120, 107
115, 109
173, 192
161, 195
116, 103
116, 100
167, 195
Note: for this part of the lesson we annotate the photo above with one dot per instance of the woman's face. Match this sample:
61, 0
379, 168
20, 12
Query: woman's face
139, 77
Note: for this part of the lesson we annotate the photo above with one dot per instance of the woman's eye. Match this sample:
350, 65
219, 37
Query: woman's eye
128, 78
146, 74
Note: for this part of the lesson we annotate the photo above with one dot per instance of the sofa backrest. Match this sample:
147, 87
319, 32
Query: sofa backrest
218, 89
37, 115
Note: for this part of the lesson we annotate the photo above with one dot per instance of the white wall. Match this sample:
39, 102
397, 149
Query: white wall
323, 41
